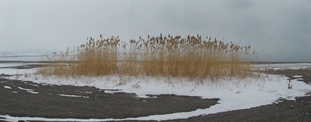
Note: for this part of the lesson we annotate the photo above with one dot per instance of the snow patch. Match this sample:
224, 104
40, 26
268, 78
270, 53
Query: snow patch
14, 92
7, 87
66, 95
28, 90
297, 76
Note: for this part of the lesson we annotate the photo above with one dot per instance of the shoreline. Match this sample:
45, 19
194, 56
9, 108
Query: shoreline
285, 110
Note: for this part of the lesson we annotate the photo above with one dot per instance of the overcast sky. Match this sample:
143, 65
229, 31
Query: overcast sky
278, 28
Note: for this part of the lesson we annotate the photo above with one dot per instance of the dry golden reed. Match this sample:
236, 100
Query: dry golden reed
167, 56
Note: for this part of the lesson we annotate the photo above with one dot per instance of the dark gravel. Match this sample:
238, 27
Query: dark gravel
89, 102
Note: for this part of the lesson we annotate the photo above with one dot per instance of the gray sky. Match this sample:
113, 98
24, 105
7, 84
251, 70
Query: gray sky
278, 28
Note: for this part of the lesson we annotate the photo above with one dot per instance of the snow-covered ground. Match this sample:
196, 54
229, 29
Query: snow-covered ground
282, 66
23, 58
4, 65
234, 94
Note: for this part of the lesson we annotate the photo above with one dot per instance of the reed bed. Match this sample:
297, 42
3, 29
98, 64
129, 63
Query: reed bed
190, 57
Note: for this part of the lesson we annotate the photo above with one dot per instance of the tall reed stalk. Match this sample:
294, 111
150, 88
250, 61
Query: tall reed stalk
192, 57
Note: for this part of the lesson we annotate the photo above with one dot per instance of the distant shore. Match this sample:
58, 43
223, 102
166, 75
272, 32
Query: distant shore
47, 61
